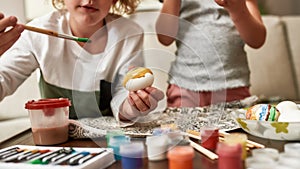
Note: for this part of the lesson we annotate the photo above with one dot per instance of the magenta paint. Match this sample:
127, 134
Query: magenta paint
230, 156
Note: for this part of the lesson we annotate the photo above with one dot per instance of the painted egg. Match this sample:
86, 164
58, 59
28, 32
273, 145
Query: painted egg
263, 112
138, 78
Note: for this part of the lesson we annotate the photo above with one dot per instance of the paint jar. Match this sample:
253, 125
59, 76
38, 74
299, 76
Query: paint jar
175, 138
230, 156
289, 160
255, 161
132, 155
209, 137
157, 147
49, 120
161, 131
293, 149
241, 138
181, 157
111, 133
278, 166
115, 142
263, 166
266, 152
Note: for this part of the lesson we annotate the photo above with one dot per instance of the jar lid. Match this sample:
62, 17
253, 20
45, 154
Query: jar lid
47, 103
181, 153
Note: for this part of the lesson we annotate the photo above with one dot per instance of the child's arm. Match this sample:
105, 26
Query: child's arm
167, 22
247, 20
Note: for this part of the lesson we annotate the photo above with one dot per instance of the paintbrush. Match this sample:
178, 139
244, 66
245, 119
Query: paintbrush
55, 34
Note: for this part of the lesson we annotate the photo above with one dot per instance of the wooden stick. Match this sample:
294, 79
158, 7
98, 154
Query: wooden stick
196, 135
248, 145
204, 151
192, 135
223, 133
55, 34
39, 30
255, 144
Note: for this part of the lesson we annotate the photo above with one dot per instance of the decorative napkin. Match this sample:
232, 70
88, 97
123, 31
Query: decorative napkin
185, 118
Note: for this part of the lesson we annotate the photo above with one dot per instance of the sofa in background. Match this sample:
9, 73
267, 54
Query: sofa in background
275, 68
13, 115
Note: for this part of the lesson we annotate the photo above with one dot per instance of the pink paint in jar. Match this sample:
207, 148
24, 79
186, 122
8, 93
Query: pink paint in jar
49, 120
230, 156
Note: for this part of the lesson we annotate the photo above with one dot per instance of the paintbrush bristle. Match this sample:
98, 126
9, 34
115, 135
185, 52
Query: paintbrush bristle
84, 40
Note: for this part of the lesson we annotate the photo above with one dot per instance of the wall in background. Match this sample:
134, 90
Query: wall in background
16, 8
280, 7
36, 8
29, 9
25, 10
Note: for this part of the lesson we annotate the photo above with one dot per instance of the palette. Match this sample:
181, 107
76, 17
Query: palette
40, 157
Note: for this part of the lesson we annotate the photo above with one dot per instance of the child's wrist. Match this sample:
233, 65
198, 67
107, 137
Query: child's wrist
239, 14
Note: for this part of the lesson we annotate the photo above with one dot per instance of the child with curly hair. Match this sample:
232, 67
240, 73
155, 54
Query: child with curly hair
89, 74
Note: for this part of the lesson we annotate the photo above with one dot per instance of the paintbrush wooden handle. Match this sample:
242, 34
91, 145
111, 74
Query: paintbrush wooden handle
52, 33
39, 30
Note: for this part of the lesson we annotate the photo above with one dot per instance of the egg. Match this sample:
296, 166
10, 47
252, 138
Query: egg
289, 111
263, 112
138, 78
286, 105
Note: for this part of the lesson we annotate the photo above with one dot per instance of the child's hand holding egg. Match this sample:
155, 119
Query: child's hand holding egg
143, 97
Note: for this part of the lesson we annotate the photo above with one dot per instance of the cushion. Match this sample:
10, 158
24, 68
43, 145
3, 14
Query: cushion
13, 106
270, 66
292, 25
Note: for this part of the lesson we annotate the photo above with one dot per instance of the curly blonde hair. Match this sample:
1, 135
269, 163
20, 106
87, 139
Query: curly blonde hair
119, 7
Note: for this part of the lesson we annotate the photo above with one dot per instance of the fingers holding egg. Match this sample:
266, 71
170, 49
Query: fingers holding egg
141, 100
157, 94
138, 78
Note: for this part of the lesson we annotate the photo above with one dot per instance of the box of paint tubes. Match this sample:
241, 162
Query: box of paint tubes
41, 157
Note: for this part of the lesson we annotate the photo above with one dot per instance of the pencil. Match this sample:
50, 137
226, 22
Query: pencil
55, 34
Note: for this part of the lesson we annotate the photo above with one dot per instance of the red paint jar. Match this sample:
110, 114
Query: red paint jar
209, 137
181, 157
49, 120
230, 156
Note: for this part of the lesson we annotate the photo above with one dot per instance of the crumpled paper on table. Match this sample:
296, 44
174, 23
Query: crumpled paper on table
186, 118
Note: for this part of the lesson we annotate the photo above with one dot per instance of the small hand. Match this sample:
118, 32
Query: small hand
9, 37
232, 5
141, 102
